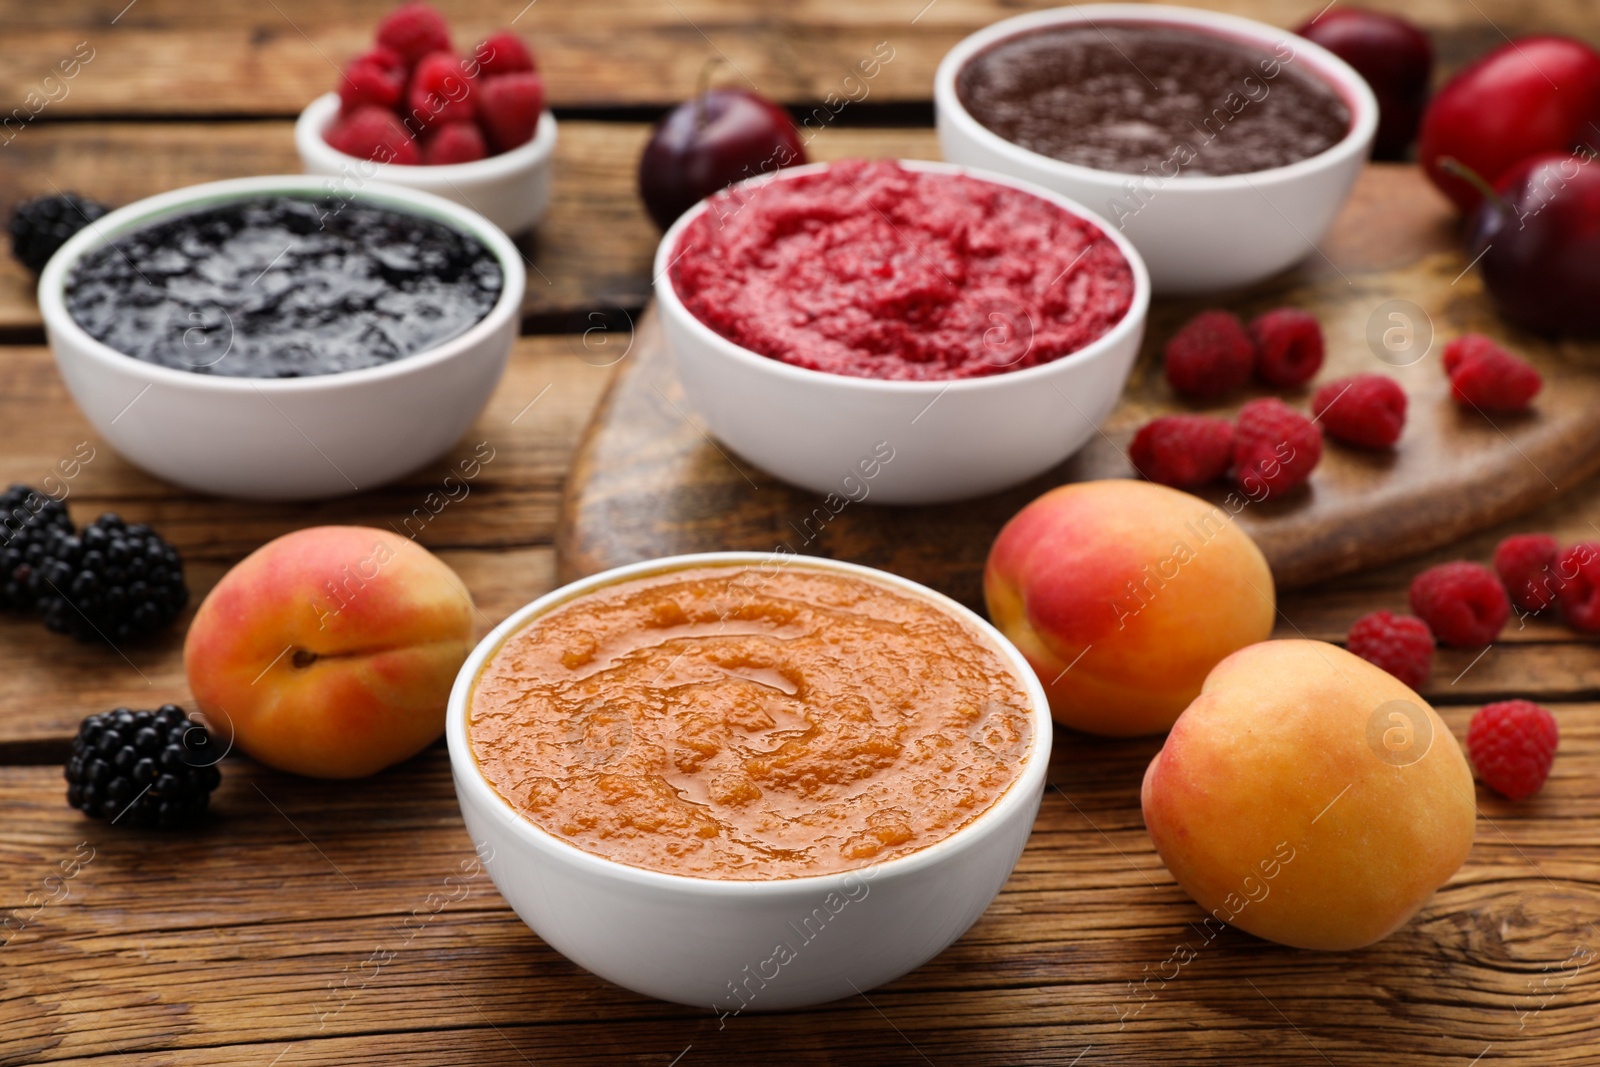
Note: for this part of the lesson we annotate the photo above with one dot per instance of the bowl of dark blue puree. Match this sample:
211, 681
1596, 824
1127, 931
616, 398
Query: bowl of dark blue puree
284, 337
289, 286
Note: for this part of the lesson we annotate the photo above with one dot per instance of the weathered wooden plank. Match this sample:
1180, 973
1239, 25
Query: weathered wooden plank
234, 935
166, 57
592, 252
529, 424
497, 535
221, 948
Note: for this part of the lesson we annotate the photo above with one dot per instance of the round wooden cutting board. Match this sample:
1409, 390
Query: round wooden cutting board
648, 481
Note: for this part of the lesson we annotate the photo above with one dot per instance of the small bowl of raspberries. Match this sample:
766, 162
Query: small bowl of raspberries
412, 111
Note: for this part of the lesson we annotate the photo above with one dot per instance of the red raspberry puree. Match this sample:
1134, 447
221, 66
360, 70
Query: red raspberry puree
873, 270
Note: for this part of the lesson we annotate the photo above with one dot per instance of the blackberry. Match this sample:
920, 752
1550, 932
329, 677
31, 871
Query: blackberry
113, 581
27, 518
42, 225
142, 768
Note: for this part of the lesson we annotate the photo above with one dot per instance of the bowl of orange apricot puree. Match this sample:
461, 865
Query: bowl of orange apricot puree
747, 781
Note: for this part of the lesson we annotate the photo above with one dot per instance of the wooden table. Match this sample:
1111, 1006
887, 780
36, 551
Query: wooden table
309, 922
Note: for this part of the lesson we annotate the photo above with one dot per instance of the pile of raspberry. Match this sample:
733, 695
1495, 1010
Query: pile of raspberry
1513, 742
1466, 604
1271, 448
412, 101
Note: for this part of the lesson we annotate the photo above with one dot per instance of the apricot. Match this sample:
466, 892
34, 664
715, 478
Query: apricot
1123, 595
331, 651
1309, 797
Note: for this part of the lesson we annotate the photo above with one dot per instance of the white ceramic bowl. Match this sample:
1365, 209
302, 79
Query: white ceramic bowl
1197, 233
696, 940
949, 439
511, 189
285, 438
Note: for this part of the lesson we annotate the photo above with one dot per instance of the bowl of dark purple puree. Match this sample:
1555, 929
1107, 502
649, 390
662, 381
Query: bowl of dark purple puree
276, 338
1222, 147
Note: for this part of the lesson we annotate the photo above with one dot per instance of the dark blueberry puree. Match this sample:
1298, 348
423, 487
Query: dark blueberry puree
283, 287
1150, 98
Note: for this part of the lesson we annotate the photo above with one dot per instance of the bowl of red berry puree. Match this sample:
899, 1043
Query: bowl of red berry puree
972, 326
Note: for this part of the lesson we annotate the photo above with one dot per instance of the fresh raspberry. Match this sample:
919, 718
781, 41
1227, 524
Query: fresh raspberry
365, 84
509, 107
1526, 564
386, 58
1367, 410
376, 134
1211, 355
503, 52
440, 92
1463, 603
1182, 451
1578, 571
1400, 644
1487, 377
457, 142
1288, 347
1467, 345
414, 30
1512, 744
1275, 448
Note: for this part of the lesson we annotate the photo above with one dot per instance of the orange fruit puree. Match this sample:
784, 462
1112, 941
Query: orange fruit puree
740, 722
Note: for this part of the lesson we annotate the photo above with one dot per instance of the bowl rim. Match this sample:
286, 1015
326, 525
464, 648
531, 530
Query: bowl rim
1132, 320
1331, 70
318, 115
63, 330
469, 776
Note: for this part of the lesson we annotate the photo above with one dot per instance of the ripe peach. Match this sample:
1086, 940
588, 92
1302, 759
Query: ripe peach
331, 651
1122, 595
1309, 797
